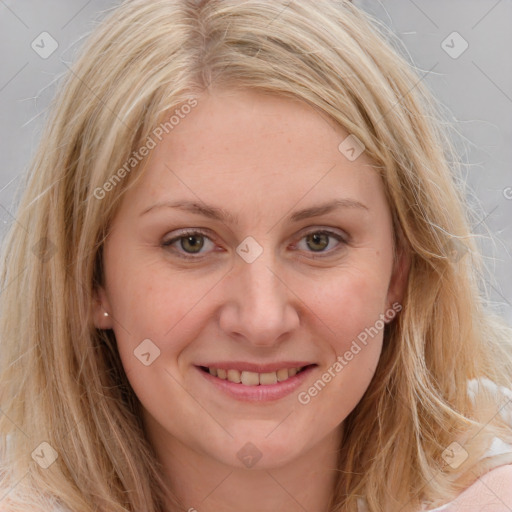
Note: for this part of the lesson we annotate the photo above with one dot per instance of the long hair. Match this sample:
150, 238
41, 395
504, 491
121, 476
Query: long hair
62, 382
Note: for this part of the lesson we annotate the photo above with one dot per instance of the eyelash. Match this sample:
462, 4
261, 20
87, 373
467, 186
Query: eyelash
185, 234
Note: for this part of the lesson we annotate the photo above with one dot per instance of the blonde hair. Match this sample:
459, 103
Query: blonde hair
62, 381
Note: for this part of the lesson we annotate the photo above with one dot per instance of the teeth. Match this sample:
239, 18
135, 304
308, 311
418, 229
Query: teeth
253, 378
233, 375
282, 374
250, 378
268, 378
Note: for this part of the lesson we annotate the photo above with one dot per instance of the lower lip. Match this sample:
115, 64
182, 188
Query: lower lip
260, 393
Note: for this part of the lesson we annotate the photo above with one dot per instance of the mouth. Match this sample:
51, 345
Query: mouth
256, 383
249, 378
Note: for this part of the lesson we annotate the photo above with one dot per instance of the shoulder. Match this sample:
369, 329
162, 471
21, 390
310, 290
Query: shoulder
492, 492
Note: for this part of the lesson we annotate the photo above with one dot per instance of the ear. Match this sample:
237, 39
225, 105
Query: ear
101, 310
399, 277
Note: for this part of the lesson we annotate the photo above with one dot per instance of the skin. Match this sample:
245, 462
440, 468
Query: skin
261, 158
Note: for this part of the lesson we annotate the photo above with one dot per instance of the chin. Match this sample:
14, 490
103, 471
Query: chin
264, 448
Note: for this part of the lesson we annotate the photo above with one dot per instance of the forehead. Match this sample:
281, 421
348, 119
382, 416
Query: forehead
241, 145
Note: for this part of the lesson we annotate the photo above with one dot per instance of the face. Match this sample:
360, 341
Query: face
224, 264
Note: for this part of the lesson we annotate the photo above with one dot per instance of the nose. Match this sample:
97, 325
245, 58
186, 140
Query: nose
260, 307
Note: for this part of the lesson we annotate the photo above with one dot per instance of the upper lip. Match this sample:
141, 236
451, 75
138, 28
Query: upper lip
256, 367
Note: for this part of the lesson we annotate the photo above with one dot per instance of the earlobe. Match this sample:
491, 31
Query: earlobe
101, 310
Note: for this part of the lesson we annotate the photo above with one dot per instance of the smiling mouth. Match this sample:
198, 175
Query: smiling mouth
247, 378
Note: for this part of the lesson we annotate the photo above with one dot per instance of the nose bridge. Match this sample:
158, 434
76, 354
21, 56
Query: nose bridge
265, 292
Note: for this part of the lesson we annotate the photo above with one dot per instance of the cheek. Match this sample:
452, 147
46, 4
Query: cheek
351, 301
153, 303
350, 310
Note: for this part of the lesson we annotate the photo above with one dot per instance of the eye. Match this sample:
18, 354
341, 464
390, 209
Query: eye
191, 242
319, 241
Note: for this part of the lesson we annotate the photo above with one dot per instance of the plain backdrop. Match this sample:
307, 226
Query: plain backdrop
462, 49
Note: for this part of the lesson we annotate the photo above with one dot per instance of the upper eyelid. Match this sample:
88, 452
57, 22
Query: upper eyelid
303, 232
187, 232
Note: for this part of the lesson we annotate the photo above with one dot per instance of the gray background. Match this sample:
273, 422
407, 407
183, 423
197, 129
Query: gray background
475, 87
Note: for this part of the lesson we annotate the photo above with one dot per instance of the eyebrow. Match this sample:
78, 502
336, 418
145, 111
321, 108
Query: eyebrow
222, 215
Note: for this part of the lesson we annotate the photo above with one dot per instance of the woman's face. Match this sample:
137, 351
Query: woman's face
252, 246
